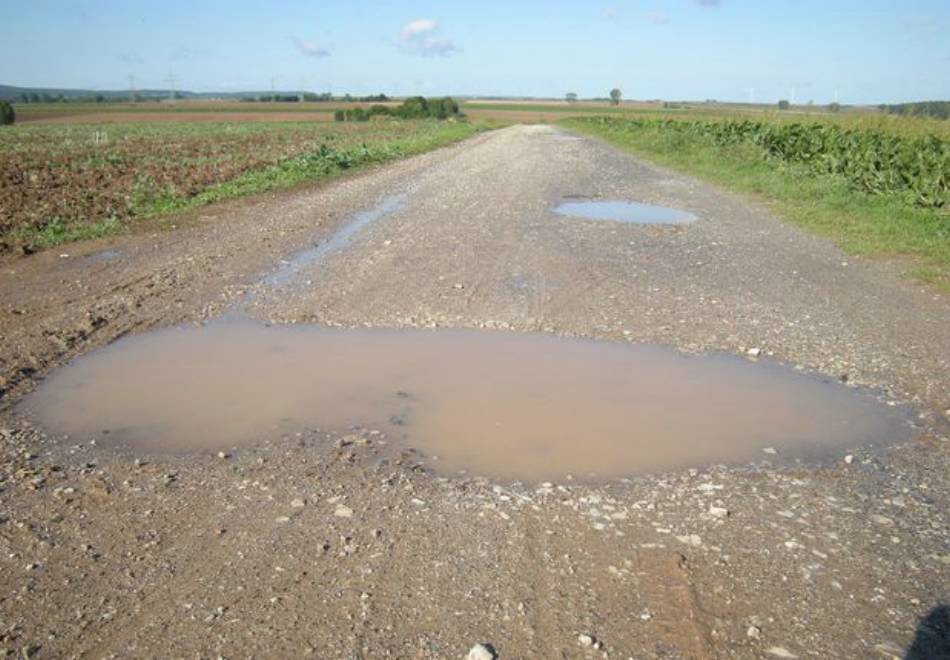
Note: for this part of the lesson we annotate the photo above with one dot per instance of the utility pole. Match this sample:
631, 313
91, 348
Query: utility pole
131, 88
836, 94
171, 86
752, 95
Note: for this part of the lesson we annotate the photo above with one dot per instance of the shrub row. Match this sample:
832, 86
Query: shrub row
416, 107
915, 167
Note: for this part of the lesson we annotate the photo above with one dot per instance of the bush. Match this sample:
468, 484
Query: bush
415, 107
784, 105
834, 107
7, 116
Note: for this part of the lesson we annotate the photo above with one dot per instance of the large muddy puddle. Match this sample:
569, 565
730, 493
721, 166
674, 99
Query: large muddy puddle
623, 211
522, 406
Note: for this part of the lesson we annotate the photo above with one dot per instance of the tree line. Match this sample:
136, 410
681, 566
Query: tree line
415, 107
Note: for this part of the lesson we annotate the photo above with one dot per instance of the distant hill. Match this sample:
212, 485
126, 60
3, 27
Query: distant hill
51, 94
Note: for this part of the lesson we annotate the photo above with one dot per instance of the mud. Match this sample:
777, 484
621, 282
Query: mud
509, 406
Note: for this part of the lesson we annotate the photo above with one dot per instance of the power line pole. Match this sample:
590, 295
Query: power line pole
752, 95
171, 86
131, 88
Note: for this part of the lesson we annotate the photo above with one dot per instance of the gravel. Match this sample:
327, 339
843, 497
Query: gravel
183, 555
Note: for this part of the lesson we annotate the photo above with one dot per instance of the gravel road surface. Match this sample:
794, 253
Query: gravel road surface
309, 543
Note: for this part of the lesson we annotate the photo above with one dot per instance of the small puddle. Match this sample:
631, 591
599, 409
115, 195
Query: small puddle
621, 211
509, 405
288, 271
103, 256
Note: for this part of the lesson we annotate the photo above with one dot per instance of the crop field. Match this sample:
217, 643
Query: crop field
850, 118
62, 182
877, 192
83, 112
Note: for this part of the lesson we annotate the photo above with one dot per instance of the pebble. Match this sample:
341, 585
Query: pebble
780, 652
754, 352
694, 540
481, 652
769, 450
753, 632
282, 519
342, 511
585, 640
849, 459
718, 512
297, 503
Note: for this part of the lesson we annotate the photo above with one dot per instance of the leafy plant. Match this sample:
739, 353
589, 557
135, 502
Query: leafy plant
916, 168
7, 115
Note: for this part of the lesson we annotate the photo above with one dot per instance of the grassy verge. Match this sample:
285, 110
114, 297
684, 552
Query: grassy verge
862, 224
149, 197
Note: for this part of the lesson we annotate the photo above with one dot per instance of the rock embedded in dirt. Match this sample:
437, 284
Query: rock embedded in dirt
482, 652
343, 511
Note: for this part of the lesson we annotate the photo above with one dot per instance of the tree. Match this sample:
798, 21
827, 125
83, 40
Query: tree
571, 97
834, 107
615, 95
784, 105
7, 116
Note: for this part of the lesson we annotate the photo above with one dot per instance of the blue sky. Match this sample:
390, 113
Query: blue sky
869, 51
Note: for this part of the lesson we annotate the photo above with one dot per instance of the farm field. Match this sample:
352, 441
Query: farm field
850, 118
877, 192
62, 181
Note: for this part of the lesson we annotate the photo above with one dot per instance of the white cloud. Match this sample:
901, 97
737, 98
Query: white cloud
658, 18
310, 48
418, 28
419, 38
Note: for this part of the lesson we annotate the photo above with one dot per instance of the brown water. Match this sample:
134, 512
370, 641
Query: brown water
524, 406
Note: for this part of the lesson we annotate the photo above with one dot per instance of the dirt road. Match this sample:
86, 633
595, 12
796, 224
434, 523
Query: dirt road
309, 544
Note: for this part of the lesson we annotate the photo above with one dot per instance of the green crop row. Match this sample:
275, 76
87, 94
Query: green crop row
916, 168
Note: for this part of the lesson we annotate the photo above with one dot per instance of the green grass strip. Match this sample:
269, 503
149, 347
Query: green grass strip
860, 223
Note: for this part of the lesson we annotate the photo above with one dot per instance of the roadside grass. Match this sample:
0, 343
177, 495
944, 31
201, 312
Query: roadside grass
351, 150
877, 226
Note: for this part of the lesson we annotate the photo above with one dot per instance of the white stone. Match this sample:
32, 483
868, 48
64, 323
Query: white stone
342, 511
481, 652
